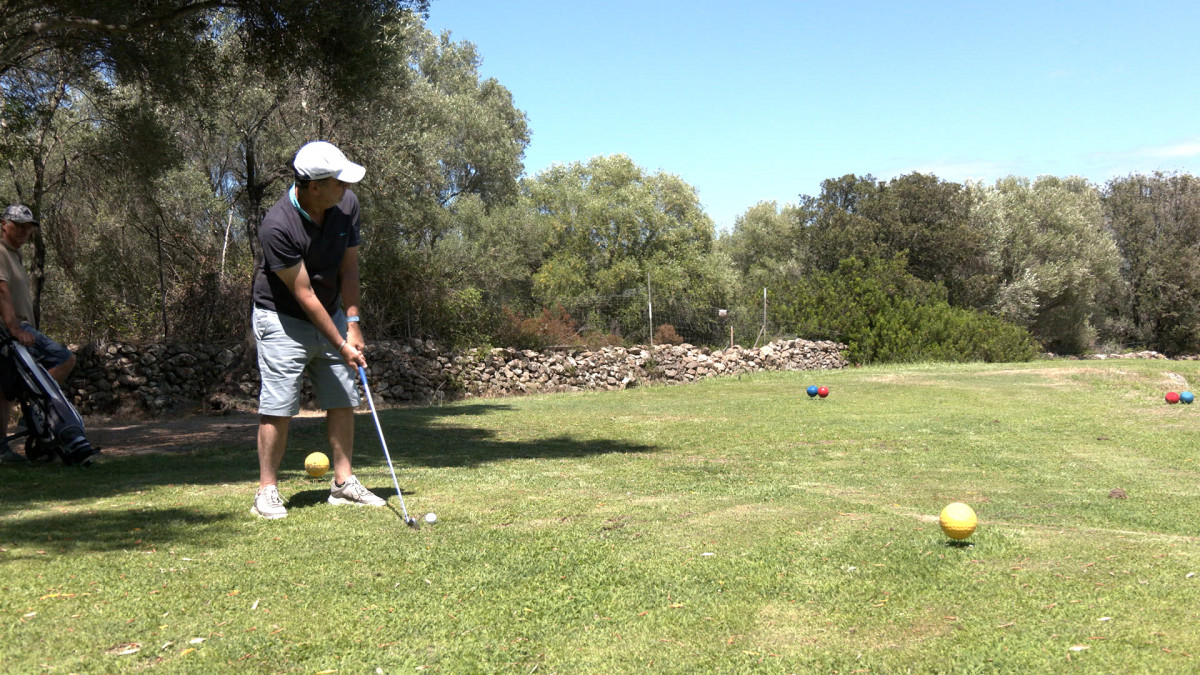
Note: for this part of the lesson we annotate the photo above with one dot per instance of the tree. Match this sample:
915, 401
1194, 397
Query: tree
919, 215
1055, 261
163, 44
836, 229
167, 58
42, 122
445, 149
613, 228
767, 243
1156, 223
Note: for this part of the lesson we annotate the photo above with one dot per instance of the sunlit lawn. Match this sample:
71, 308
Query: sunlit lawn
733, 525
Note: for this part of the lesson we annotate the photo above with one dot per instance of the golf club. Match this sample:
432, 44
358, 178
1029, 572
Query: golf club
411, 522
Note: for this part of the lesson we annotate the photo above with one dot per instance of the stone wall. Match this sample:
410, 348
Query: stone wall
1126, 355
120, 378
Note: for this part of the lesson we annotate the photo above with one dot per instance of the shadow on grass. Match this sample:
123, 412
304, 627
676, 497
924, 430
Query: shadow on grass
413, 440
307, 499
111, 530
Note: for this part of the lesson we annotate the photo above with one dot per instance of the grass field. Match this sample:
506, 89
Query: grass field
732, 525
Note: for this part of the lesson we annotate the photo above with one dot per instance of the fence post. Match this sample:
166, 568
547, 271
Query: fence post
764, 328
650, 309
762, 332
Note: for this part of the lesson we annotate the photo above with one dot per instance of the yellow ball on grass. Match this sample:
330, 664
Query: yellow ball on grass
316, 464
958, 521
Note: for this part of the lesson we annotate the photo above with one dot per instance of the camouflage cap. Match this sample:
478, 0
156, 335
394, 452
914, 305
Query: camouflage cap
19, 214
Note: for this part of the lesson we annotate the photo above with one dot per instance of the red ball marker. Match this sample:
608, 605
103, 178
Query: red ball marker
824, 391
1172, 397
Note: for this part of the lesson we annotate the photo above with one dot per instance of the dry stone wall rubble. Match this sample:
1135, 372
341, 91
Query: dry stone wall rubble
115, 377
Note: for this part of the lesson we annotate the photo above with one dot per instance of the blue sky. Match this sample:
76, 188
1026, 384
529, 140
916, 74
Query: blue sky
760, 101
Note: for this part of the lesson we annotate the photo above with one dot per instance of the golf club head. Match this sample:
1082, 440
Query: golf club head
413, 523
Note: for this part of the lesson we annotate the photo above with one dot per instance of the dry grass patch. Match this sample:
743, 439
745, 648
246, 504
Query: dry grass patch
793, 629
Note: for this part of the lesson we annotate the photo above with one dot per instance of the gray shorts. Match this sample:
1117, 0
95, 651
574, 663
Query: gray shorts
287, 347
46, 351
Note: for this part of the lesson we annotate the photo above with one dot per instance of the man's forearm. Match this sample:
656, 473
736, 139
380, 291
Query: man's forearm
350, 292
350, 296
7, 313
320, 318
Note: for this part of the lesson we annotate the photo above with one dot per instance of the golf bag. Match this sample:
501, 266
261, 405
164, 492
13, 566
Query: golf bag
52, 425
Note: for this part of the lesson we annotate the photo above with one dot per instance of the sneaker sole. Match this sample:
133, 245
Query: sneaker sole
255, 512
339, 501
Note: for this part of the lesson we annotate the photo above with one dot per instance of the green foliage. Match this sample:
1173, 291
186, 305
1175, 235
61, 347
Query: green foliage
609, 210
184, 183
1055, 262
884, 314
1154, 220
441, 206
767, 243
614, 228
468, 319
150, 137
918, 215
167, 45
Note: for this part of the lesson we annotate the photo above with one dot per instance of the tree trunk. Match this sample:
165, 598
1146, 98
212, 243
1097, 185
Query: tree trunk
162, 281
37, 273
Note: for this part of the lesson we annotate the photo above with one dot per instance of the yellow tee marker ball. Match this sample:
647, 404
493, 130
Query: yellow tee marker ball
958, 521
316, 464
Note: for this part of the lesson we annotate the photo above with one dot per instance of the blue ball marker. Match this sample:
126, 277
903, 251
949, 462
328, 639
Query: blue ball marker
812, 391
1187, 397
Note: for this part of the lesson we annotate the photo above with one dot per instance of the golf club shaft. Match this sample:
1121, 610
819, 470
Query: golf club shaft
362, 374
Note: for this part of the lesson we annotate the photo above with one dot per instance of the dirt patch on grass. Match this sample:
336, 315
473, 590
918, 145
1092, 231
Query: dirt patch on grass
183, 434
902, 378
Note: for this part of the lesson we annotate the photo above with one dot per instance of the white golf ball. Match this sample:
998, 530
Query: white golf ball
431, 518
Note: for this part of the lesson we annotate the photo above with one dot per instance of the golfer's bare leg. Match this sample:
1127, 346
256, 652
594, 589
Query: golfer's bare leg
5, 411
339, 427
62, 370
272, 441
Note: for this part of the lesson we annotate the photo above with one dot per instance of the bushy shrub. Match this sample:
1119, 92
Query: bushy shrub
598, 339
551, 328
883, 314
666, 335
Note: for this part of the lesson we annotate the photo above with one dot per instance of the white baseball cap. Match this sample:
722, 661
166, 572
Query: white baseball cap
320, 159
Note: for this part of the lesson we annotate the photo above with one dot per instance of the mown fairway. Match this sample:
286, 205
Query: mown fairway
727, 526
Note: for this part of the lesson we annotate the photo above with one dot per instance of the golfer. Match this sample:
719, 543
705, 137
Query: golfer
306, 319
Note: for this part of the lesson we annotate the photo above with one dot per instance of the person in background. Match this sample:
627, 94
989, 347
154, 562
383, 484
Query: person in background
16, 310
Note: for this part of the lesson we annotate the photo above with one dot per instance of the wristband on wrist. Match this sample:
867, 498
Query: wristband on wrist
352, 319
343, 346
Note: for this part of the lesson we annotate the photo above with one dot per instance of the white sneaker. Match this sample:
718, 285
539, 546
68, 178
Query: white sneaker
352, 492
268, 504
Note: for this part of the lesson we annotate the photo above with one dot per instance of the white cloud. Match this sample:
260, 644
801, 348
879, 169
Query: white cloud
1188, 148
1184, 149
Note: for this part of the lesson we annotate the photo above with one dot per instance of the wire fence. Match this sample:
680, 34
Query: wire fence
638, 316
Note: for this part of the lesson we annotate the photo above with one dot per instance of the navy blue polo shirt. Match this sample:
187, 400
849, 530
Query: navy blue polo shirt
287, 238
